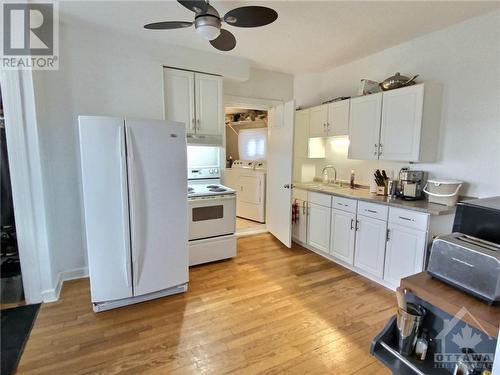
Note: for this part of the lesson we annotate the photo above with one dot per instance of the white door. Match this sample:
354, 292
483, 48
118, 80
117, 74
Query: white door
364, 127
404, 254
318, 118
318, 227
178, 92
105, 201
300, 142
338, 118
279, 171
401, 124
342, 235
157, 175
209, 107
370, 245
299, 228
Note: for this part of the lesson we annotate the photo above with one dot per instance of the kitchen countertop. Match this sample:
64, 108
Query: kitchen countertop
364, 195
451, 300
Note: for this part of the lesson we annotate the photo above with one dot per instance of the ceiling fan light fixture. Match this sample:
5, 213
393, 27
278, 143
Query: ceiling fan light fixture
208, 32
208, 26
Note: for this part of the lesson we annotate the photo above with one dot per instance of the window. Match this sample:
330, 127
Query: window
252, 144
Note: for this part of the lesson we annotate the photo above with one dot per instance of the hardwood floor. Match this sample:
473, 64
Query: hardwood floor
270, 310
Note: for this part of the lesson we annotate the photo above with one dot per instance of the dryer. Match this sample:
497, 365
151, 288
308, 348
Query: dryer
248, 178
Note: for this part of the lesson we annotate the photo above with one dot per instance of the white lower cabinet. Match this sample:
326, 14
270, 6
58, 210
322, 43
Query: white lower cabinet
299, 227
370, 245
404, 253
342, 235
318, 227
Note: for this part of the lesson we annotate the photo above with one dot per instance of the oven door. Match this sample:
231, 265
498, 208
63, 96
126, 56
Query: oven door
212, 216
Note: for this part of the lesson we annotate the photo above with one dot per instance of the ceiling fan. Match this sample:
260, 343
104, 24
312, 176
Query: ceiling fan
208, 22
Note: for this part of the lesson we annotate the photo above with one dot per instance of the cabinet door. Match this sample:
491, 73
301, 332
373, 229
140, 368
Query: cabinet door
299, 228
401, 123
209, 107
364, 127
318, 117
370, 245
342, 235
178, 94
318, 227
404, 254
338, 118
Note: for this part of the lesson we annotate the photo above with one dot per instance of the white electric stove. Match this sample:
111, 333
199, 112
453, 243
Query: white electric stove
212, 219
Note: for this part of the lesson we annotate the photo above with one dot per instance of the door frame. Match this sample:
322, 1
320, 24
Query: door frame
248, 103
30, 208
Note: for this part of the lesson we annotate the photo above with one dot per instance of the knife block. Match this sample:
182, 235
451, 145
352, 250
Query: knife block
382, 190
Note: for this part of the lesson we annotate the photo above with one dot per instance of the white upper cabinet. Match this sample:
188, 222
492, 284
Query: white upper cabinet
318, 118
196, 100
398, 125
364, 127
209, 106
401, 124
338, 118
179, 97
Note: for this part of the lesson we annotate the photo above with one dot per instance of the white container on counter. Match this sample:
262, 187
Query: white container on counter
442, 191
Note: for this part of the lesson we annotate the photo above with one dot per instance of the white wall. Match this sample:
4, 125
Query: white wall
466, 59
262, 84
106, 74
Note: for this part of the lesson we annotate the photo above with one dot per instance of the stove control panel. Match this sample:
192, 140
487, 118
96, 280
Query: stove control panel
205, 172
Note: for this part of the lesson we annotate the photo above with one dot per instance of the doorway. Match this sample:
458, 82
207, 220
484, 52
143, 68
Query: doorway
246, 172
11, 294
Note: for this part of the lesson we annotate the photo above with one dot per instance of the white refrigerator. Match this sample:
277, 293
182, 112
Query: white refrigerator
134, 177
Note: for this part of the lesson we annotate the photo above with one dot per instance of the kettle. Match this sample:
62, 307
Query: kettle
396, 81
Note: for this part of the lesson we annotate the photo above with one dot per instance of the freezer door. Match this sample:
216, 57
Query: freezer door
157, 173
105, 200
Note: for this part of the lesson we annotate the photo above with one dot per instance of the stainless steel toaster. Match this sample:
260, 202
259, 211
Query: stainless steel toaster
468, 263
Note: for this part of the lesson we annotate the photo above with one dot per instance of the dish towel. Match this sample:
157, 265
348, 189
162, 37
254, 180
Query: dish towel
295, 212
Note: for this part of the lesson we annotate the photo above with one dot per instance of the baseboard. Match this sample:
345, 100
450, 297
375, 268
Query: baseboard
52, 295
250, 232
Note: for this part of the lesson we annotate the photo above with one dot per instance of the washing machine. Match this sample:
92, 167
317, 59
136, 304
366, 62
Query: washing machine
248, 178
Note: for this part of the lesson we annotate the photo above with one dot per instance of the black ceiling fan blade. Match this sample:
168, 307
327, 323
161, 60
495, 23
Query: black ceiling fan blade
197, 6
225, 41
167, 25
250, 16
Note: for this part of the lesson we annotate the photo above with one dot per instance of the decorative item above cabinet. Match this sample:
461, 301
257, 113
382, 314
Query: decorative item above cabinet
399, 125
195, 99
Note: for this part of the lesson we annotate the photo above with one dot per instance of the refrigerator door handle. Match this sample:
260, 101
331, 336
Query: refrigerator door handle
133, 206
126, 226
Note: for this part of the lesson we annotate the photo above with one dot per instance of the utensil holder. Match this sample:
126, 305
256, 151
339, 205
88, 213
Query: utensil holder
409, 323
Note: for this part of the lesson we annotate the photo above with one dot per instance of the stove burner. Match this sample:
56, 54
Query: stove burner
217, 189
212, 186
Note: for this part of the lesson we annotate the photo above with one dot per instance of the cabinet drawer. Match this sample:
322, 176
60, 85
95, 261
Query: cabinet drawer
345, 204
377, 211
408, 218
299, 194
320, 199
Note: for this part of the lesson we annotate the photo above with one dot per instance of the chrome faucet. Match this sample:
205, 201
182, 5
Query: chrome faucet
324, 173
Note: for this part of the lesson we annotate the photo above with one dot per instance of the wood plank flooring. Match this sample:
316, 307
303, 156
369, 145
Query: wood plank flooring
270, 310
